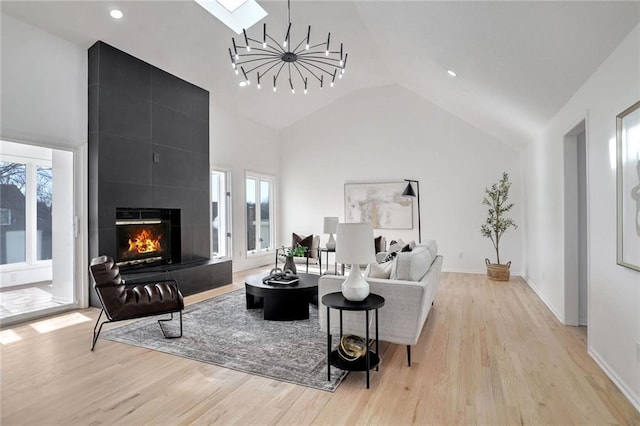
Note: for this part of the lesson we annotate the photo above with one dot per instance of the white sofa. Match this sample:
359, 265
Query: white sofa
409, 294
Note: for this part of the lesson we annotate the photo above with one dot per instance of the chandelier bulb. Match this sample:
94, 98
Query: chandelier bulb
236, 71
305, 91
258, 86
274, 88
326, 53
341, 62
248, 48
306, 47
340, 75
237, 56
332, 84
264, 45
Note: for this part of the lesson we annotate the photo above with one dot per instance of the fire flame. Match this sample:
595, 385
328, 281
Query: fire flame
144, 242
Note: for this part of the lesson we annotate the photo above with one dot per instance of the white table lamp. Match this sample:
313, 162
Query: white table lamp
355, 247
330, 227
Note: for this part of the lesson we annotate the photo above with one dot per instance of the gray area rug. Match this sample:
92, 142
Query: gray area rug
223, 332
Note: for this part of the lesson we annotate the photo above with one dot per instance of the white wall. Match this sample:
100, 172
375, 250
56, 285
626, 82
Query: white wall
44, 86
390, 133
44, 102
614, 291
242, 145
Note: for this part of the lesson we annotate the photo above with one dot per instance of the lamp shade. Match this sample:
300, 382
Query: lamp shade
408, 191
330, 225
355, 244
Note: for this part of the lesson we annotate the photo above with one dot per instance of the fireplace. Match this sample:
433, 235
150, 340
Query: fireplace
147, 236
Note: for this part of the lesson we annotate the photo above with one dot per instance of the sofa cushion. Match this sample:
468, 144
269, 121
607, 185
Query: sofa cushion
432, 246
413, 265
379, 270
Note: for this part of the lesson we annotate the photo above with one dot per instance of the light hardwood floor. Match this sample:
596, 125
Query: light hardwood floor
490, 353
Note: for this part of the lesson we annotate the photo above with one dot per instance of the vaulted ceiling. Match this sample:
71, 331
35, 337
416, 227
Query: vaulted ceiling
517, 62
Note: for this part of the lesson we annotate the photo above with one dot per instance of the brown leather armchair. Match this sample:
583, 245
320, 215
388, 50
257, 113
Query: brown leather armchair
121, 301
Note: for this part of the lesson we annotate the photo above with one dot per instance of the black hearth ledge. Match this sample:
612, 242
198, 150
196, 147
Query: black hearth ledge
192, 277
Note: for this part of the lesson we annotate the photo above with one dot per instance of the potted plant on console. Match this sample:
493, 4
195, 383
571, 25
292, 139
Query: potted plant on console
497, 224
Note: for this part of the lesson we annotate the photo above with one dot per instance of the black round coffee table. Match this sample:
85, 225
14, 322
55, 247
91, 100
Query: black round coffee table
282, 302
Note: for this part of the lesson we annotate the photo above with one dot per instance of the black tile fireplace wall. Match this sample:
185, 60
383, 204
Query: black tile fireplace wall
148, 148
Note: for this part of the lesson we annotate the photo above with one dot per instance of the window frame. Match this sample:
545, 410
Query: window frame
226, 192
259, 176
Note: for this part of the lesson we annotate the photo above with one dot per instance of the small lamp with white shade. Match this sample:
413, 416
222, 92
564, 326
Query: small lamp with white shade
330, 227
355, 248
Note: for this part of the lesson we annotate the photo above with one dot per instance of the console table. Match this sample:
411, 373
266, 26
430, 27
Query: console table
370, 359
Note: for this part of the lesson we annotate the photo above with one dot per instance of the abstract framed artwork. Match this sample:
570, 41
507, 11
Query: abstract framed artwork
628, 186
379, 203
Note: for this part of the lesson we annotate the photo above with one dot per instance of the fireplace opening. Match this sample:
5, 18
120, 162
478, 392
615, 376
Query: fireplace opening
145, 236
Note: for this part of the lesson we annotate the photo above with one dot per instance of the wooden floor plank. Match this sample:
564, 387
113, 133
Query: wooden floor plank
490, 353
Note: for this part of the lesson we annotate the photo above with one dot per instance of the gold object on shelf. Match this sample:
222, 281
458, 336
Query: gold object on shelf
352, 347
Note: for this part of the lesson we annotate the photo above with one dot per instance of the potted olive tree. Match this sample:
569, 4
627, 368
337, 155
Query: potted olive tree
497, 224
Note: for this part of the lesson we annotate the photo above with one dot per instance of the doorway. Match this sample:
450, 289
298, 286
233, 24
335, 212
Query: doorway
37, 237
575, 226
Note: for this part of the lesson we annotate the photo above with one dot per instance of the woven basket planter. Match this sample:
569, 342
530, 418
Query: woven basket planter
497, 271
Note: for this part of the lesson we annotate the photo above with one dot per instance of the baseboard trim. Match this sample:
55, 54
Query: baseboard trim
544, 300
620, 384
476, 271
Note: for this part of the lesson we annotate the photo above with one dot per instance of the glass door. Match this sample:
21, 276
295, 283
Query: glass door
36, 231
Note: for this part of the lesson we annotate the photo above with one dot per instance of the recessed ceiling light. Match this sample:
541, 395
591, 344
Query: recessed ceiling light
452, 73
116, 14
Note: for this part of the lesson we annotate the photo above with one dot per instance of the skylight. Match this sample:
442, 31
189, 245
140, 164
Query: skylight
244, 15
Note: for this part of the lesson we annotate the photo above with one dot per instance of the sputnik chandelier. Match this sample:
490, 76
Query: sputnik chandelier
271, 60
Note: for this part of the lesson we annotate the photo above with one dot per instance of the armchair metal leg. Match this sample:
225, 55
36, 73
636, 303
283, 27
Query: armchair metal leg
95, 335
166, 336
409, 355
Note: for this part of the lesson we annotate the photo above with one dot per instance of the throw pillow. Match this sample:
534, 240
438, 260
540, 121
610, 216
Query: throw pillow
302, 240
389, 257
397, 246
406, 248
380, 270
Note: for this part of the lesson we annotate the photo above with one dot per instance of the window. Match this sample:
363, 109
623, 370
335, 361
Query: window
220, 214
13, 192
260, 218
26, 196
44, 199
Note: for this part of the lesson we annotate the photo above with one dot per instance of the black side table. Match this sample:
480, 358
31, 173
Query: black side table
370, 359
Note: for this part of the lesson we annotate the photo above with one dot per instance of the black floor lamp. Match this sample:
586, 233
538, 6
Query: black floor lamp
408, 192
